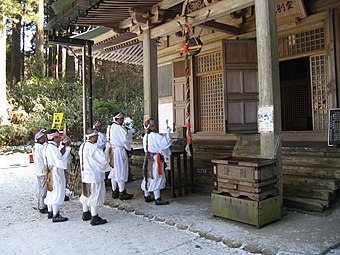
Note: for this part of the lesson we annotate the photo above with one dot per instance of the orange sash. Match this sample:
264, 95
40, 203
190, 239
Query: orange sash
159, 164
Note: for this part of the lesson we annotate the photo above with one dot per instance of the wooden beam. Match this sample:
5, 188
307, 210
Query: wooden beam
164, 5
224, 28
217, 10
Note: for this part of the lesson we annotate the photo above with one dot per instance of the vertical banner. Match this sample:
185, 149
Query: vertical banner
57, 120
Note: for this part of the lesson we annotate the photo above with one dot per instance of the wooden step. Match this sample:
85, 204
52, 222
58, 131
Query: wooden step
315, 171
303, 160
319, 194
310, 182
306, 204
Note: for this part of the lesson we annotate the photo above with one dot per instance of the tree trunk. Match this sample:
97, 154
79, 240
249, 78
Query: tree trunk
3, 98
39, 48
15, 54
70, 67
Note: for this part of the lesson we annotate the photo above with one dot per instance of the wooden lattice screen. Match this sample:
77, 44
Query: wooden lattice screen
301, 43
319, 88
210, 84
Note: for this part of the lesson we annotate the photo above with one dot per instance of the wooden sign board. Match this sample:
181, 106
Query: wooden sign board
334, 127
290, 10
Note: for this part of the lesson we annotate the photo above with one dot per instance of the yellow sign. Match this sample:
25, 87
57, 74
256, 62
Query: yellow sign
57, 120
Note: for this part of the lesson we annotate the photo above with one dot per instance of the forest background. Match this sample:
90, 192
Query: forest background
37, 79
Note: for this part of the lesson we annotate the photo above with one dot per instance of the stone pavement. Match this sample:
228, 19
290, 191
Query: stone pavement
295, 233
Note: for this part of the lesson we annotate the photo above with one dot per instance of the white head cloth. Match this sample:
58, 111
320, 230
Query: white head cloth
53, 135
118, 115
95, 132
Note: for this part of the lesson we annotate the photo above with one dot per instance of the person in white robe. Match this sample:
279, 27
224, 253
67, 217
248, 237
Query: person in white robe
66, 143
120, 139
57, 162
102, 140
156, 147
93, 165
39, 163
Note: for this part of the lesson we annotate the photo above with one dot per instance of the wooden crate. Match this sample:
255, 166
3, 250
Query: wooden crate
225, 184
253, 170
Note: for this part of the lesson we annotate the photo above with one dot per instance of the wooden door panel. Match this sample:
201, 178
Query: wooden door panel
234, 80
250, 112
235, 112
250, 81
241, 96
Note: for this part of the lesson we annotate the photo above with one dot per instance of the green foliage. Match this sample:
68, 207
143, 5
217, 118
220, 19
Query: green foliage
33, 102
13, 135
14, 10
103, 111
40, 98
121, 85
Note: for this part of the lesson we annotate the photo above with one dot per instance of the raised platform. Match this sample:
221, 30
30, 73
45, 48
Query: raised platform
258, 213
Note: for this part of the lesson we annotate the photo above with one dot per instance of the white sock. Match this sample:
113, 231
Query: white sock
114, 184
49, 208
146, 193
85, 208
55, 209
157, 193
121, 185
94, 210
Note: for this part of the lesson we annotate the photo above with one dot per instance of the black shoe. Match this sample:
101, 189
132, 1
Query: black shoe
149, 199
115, 194
86, 216
43, 210
125, 196
66, 198
59, 218
96, 220
49, 215
159, 201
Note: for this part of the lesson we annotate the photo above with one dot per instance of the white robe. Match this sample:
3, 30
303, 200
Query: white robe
157, 143
94, 164
120, 139
101, 143
39, 158
58, 162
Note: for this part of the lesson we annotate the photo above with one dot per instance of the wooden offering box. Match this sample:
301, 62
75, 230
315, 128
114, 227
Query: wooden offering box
245, 169
254, 178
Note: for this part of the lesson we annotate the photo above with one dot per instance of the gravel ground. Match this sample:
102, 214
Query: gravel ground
186, 226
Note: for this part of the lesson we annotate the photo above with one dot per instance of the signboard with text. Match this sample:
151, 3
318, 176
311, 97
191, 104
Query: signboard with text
334, 127
289, 10
57, 120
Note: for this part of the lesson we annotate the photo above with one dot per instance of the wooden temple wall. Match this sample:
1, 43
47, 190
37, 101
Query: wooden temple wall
311, 175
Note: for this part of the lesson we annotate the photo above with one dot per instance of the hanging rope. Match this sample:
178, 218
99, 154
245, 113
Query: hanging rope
187, 31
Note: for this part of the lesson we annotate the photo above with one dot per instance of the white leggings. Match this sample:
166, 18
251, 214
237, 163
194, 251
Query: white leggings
156, 193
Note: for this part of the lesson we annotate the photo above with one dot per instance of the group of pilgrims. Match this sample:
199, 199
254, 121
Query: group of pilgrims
101, 155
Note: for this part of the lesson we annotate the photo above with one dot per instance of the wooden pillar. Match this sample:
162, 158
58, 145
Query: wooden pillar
269, 83
150, 75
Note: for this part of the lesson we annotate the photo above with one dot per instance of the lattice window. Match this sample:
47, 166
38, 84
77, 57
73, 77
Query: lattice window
208, 63
210, 84
211, 102
298, 44
319, 88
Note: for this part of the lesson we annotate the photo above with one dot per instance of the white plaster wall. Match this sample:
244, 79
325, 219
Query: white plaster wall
165, 113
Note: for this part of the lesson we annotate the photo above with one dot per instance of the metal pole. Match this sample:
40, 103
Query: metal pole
90, 84
84, 91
